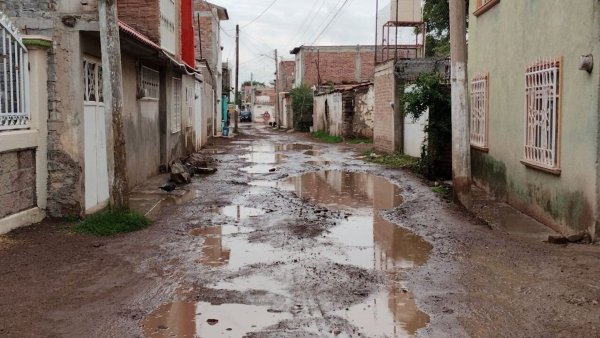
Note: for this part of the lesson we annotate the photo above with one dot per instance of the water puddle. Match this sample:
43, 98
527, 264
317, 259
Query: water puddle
312, 153
264, 184
254, 282
186, 319
150, 202
259, 169
319, 163
367, 239
239, 212
271, 148
263, 158
218, 244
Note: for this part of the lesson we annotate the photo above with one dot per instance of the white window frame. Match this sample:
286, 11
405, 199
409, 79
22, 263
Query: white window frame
543, 86
479, 126
14, 77
149, 83
190, 98
176, 112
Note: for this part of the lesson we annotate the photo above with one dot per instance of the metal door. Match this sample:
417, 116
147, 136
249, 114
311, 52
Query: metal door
94, 137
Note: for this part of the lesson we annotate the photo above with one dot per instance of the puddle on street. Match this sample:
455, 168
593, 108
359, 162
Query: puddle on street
271, 148
259, 169
218, 244
312, 153
253, 282
368, 240
264, 184
319, 163
239, 212
183, 320
263, 158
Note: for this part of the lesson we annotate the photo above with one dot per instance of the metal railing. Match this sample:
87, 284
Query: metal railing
479, 111
14, 89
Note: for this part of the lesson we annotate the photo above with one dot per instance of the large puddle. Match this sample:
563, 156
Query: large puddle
367, 239
183, 320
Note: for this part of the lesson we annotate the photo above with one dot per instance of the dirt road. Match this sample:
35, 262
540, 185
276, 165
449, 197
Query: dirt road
293, 238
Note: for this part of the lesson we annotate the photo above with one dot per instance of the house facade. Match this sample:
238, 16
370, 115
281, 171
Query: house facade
535, 107
163, 97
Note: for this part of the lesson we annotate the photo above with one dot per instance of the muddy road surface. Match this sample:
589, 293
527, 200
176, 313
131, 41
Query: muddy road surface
295, 238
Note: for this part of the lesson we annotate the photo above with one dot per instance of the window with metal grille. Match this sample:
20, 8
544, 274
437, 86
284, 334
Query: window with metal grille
482, 6
542, 114
176, 113
479, 111
14, 77
150, 83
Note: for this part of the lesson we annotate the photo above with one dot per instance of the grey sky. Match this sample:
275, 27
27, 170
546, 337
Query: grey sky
286, 25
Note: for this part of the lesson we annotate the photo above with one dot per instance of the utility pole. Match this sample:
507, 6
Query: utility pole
277, 91
113, 78
461, 147
237, 77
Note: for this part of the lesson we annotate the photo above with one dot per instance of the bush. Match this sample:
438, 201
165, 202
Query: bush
302, 106
110, 222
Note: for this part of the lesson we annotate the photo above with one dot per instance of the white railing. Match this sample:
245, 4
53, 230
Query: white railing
14, 89
542, 83
150, 83
479, 111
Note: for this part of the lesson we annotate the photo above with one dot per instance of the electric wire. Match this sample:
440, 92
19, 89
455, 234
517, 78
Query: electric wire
261, 14
331, 21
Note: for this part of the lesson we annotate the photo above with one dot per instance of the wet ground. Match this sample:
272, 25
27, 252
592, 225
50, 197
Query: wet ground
293, 238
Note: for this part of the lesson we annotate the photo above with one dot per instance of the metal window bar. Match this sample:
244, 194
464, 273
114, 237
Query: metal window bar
542, 114
14, 108
150, 82
176, 113
479, 111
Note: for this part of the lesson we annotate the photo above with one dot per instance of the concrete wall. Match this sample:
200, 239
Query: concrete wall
386, 127
502, 42
328, 115
363, 117
258, 111
17, 181
140, 118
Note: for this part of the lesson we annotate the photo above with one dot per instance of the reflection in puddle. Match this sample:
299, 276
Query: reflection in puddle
217, 245
271, 148
203, 319
265, 184
264, 158
367, 240
319, 163
149, 202
259, 169
254, 282
312, 153
239, 212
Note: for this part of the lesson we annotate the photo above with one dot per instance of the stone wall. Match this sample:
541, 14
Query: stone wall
385, 87
17, 182
364, 105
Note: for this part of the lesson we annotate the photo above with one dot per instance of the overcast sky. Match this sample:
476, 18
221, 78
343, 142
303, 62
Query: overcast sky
288, 24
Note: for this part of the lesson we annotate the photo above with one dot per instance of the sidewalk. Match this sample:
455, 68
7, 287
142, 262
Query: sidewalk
503, 217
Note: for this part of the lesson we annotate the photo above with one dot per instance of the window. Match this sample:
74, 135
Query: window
92, 71
542, 115
176, 112
150, 83
479, 111
189, 99
483, 6
14, 89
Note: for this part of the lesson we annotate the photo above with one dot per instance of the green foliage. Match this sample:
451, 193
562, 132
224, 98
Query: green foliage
255, 83
443, 191
437, 15
431, 93
396, 161
323, 136
110, 222
302, 106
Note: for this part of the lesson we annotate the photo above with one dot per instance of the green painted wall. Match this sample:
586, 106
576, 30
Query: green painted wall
503, 42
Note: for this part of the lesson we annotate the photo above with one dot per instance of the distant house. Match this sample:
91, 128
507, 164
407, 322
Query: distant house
320, 65
535, 108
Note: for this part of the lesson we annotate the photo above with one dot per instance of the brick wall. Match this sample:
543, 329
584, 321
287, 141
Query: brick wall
384, 131
286, 75
142, 15
17, 182
343, 66
207, 22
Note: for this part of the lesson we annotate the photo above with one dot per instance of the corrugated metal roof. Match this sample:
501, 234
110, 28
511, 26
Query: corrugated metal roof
125, 28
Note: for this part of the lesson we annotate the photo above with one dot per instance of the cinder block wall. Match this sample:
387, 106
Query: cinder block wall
384, 131
347, 65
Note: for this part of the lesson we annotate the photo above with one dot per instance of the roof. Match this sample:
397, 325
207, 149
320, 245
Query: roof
345, 88
125, 28
222, 11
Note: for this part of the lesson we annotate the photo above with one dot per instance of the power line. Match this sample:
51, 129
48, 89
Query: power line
331, 21
323, 23
261, 14
306, 22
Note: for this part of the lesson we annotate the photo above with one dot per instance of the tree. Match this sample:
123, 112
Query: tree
437, 15
249, 83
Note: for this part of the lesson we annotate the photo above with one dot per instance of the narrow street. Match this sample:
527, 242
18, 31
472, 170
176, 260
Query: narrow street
294, 238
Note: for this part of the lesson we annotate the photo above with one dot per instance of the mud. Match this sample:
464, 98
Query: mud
326, 247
